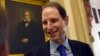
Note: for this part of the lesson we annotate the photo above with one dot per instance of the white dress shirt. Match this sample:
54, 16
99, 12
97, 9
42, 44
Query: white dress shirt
54, 46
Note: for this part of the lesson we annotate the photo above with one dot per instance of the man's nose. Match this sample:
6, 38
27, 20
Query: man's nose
49, 25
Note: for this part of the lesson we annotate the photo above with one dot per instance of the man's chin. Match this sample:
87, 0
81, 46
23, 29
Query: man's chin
53, 39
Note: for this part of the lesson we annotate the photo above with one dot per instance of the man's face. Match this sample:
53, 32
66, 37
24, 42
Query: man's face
53, 24
27, 15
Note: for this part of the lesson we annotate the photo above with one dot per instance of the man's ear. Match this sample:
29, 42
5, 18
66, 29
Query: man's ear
66, 20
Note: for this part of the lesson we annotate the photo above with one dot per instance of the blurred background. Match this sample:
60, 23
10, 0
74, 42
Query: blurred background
84, 23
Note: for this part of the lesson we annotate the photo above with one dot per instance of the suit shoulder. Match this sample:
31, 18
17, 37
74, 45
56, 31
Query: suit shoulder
81, 47
79, 43
34, 50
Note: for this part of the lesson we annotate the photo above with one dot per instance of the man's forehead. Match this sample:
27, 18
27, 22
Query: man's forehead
50, 9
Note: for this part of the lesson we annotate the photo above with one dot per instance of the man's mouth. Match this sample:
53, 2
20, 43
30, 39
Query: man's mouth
51, 33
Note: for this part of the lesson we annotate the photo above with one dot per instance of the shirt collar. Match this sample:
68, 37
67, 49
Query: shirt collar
53, 46
66, 44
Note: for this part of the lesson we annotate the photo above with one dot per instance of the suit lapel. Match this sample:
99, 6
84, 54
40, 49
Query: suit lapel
74, 48
45, 47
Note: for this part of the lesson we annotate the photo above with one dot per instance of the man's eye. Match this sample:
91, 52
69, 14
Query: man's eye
53, 20
44, 22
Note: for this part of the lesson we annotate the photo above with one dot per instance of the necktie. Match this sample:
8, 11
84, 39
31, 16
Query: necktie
61, 50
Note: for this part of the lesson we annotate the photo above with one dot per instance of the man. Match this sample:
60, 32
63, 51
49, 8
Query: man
54, 22
27, 34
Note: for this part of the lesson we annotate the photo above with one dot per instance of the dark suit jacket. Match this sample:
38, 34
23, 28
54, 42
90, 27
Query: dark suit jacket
78, 49
33, 32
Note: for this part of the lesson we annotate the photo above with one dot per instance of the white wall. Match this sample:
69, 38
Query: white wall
96, 27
